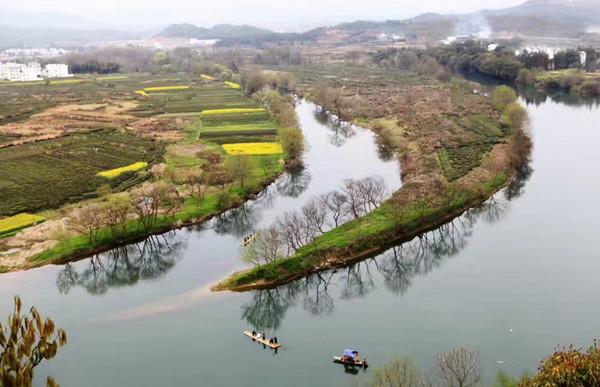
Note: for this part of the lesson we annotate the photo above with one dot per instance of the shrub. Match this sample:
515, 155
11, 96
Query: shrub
568, 367
514, 116
503, 96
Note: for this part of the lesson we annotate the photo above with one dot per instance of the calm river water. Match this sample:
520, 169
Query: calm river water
512, 280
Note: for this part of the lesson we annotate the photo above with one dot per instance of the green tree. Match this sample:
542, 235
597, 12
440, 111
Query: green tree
26, 341
514, 116
292, 142
503, 96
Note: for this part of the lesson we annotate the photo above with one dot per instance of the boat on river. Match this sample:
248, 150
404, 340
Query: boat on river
351, 358
258, 338
248, 240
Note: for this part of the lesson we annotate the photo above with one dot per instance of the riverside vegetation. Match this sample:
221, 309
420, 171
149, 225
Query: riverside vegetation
145, 154
457, 145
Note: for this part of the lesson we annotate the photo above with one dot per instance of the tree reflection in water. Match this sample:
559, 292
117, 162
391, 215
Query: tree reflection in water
123, 266
243, 220
293, 183
340, 130
394, 269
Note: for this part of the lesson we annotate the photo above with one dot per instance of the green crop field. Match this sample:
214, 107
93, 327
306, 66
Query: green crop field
50, 173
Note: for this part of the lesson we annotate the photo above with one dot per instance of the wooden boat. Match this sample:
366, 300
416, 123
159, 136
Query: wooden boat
249, 239
262, 340
355, 363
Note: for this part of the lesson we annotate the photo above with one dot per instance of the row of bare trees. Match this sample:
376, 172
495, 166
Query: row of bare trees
299, 228
146, 203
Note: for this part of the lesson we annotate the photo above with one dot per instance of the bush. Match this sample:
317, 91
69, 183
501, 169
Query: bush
503, 96
514, 116
526, 77
568, 367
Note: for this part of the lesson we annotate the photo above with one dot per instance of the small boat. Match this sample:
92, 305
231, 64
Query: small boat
351, 358
249, 239
262, 340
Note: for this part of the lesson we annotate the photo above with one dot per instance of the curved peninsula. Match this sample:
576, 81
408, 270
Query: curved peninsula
458, 144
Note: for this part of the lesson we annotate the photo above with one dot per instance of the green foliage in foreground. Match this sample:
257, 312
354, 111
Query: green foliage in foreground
372, 231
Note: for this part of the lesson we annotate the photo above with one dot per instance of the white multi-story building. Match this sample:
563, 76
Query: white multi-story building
56, 70
33, 71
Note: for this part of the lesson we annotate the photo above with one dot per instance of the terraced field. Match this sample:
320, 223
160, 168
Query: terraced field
50, 173
68, 166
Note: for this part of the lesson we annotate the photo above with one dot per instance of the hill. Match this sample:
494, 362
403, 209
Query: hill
17, 37
220, 31
534, 18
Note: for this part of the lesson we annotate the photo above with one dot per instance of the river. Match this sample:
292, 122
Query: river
512, 280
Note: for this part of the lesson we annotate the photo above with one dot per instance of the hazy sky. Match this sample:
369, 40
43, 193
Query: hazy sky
281, 15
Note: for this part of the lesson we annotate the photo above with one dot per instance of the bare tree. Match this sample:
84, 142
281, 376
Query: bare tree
372, 190
458, 368
399, 372
117, 209
315, 215
218, 177
152, 198
353, 191
88, 220
337, 206
195, 180
292, 229
265, 248
239, 168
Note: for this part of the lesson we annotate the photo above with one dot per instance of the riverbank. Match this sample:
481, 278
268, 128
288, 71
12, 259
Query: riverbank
456, 151
198, 180
576, 82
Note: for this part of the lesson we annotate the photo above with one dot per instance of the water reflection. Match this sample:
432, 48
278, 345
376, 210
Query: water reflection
395, 270
536, 97
340, 131
294, 183
123, 266
242, 220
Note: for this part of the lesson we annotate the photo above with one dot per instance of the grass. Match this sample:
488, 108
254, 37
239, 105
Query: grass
116, 172
18, 222
380, 227
256, 148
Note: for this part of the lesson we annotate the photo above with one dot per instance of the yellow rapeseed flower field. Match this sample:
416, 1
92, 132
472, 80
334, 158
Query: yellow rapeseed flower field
66, 81
112, 77
233, 85
165, 88
207, 77
141, 92
253, 148
18, 222
232, 111
111, 174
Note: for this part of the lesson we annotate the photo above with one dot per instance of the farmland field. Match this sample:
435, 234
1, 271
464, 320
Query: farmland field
50, 173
